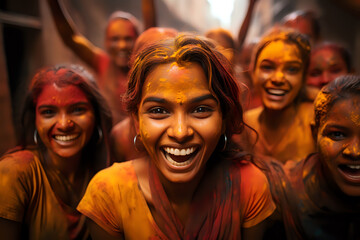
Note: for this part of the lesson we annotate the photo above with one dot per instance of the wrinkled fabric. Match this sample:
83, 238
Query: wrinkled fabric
27, 195
325, 212
230, 196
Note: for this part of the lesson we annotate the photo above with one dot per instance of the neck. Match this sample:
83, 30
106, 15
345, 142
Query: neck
180, 195
274, 119
67, 166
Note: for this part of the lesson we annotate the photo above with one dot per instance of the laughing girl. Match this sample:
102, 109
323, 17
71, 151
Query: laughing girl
191, 184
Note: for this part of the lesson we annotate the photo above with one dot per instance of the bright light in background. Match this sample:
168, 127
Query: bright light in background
222, 10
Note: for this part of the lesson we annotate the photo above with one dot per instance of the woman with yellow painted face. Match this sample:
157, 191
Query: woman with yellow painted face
192, 183
279, 65
325, 186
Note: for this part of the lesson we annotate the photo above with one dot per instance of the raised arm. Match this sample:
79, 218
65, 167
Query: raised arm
81, 46
149, 13
245, 25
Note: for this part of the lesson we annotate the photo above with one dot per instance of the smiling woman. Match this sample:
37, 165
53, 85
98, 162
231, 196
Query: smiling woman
192, 184
64, 141
326, 184
279, 66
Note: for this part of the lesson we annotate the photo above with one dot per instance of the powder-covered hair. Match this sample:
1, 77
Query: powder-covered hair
342, 87
62, 76
185, 49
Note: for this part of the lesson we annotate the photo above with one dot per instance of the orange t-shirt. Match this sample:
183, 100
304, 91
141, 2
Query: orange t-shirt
115, 202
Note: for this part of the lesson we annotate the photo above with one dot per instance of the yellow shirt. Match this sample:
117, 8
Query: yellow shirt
26, 196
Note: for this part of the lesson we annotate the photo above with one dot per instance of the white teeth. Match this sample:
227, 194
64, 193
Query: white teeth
179, 152
178, 164
357, 167
276, 91
66, 137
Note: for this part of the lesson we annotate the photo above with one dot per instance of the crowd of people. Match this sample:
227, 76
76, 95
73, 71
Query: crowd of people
182, 136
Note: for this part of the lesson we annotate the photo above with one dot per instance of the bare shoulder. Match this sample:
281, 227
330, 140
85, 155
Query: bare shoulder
121, 129
251, 116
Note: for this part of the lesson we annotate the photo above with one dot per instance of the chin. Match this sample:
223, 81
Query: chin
351, 190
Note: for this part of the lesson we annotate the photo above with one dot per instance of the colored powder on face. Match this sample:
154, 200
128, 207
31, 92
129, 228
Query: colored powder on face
355, 118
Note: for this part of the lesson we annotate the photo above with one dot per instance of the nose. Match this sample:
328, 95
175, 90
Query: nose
180, 130
326, 78
352, 150
278, 78
65, 123
121, 43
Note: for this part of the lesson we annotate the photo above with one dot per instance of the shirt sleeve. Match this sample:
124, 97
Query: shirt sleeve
15, 182
100, 202
256, 201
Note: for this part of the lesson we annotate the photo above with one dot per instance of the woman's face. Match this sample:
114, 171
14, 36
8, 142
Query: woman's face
65, 120
338, 142
278, 74
179, 120
325, 65
120, 41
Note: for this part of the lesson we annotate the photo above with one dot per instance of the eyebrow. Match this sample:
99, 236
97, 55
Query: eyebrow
53, 105
334, 125
287, 62
194, 100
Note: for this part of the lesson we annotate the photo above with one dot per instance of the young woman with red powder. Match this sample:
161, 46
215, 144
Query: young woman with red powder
64, 142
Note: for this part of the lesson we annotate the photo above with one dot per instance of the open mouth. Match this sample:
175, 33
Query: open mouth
276, 92
66, 138
122, 54
351, 172
179, 157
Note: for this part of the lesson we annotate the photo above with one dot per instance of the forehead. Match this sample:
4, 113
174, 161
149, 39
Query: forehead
344, 111
281, 51
326, 54
120, 26
171, 80
51, 94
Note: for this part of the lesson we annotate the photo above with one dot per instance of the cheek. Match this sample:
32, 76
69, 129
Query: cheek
150, 132
328, 148
88, 123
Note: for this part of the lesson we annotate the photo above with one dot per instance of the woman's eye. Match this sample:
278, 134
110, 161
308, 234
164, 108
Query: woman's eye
79, 110
202, 111
266, 67
335, 70
336, 135
158, 113
47, 112
315, 73
293, 70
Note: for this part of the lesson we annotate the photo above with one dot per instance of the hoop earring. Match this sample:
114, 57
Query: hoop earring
225, 143
35, 137
135, 140
100, 134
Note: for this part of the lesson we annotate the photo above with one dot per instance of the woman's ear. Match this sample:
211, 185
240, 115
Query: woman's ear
314, 131
136, 122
